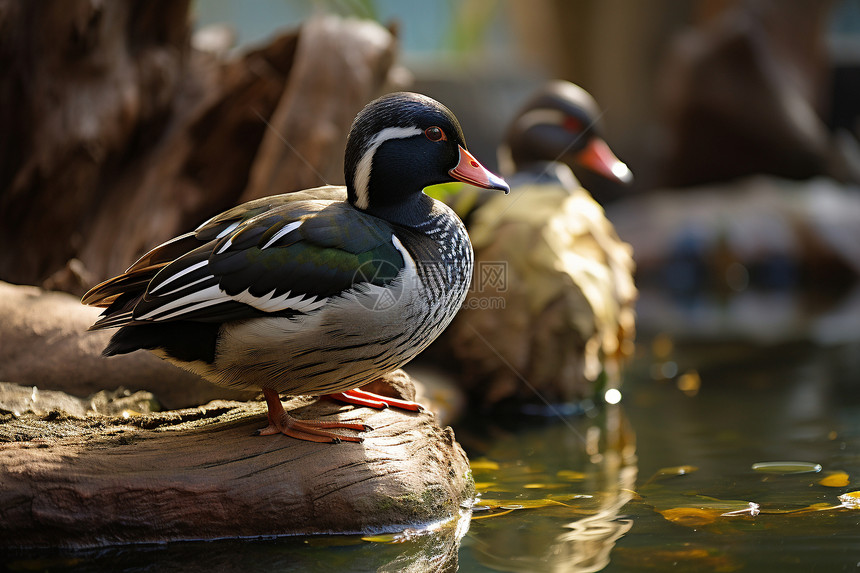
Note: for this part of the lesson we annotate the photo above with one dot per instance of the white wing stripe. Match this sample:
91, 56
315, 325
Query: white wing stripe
228, 230
270, 303
185, 286
181, 273
212, 293
225, 246
286, 229
197, 306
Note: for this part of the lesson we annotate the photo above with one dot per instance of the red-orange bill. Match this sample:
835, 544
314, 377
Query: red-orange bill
469, 170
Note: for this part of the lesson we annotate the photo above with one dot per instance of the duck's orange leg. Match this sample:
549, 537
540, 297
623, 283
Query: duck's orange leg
280, 422
371, 400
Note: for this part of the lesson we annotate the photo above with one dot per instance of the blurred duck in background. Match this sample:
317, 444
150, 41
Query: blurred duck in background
551, 306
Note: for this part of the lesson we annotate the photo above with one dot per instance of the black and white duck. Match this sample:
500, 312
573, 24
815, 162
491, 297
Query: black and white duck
553, 292
318, 291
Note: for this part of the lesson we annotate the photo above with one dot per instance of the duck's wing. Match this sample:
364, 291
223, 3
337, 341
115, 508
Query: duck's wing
284, 261
139, 274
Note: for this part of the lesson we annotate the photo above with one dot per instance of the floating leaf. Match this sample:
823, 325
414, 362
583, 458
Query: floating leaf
850, 500
785, 468
691, 516
492, 514
673, 471
381, 538
835, 479
519, 503
483, 464
544, 486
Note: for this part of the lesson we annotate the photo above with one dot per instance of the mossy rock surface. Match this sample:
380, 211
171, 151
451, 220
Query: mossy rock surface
202, 473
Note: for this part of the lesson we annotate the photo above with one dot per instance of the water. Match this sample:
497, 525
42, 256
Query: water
639, 486
793, 402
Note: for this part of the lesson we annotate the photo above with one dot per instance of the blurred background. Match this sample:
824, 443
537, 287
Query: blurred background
637, 60
126, 123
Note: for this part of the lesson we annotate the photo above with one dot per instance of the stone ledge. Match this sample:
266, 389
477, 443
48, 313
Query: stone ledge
201, 473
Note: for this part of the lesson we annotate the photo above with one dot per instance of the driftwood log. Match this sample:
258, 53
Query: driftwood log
200, 473
44, 343
106, 470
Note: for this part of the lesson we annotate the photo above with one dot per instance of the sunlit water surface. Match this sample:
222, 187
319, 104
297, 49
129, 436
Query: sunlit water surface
644, 485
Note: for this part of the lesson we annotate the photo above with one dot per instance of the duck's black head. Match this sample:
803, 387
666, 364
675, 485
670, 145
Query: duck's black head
560, 122
398, 145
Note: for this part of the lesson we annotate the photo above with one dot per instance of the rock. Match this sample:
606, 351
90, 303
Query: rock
82, 472
784, 232
762, 259
201, 473
44, 342
17, 400
744, 93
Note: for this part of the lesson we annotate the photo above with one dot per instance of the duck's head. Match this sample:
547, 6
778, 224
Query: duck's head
560, 122
398, 145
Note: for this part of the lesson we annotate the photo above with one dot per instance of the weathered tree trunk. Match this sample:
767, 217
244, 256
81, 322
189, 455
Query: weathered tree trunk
85, 86
117, 135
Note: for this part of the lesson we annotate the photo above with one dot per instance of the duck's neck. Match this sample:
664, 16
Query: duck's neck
412, 212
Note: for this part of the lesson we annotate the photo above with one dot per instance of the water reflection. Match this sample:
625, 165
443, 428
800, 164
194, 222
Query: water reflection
571, 478
433, 550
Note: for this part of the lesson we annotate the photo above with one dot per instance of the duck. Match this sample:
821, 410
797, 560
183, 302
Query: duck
319, 291
552, 299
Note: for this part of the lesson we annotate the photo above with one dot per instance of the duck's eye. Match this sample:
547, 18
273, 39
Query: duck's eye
434, 133
572, 124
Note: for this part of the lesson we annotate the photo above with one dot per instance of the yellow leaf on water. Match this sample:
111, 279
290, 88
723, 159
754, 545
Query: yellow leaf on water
383, 538
519, 503
674, 471
570, 475
851, 500
544, 486
486, 515
483, 464
691, 516
835, 479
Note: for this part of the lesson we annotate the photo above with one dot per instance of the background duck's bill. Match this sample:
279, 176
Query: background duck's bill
599, 158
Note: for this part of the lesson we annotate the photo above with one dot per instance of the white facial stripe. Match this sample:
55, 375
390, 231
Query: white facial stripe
284, 230
538, 116
362, 172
